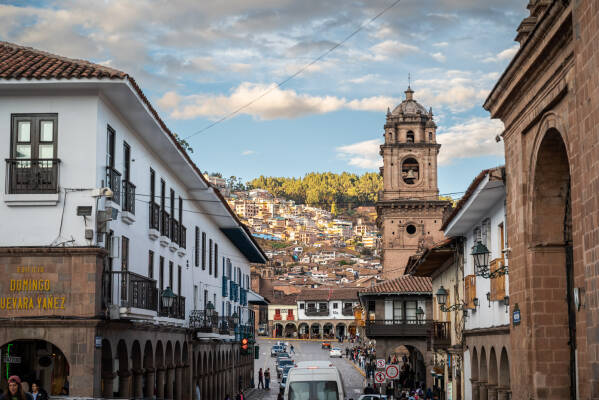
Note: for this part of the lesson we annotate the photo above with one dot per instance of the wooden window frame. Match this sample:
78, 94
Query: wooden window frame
34, 132
203, 251
151, 264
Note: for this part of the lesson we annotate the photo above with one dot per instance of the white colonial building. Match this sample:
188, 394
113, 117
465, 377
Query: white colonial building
326, 313
150, 265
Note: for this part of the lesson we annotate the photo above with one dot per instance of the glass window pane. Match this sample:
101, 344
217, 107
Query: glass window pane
24, 131
23, 151
47, 131
46, 151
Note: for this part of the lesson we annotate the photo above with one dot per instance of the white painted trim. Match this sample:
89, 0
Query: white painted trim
42, 199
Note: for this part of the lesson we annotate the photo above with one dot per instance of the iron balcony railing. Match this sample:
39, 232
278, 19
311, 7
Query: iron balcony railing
441, 334
127, 289
175, 231
401, 327
226, 325
183, 237
26, 175
176, 310
166, 223
113, 181
154, 216
312, 312
199, 320
128, 197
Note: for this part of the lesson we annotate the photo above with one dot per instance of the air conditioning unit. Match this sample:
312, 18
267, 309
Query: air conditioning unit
115, 247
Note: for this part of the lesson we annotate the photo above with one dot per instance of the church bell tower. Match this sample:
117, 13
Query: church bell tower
410, 213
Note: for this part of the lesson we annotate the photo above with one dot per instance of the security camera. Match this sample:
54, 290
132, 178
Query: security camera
498, 138
103, 192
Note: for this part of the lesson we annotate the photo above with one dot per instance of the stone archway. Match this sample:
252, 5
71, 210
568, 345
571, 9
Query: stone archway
474, 374
504, 376
340, 330
315, 331
290, 330
123, 371
483, 373
550, 249
107, 372
148, 366
169, 373
493, 374
136, 371
328, 331
160, 370
277, 330
303, 330
412, 360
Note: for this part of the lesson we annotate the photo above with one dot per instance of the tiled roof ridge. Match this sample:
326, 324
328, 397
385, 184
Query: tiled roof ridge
403, 284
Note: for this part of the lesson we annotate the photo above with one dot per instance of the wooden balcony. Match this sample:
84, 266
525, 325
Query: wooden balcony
441, 335
26, 176
312, 312
409, 328
154, 216
130, 290
348, 312
165, 226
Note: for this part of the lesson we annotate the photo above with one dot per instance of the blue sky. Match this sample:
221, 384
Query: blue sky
198, 60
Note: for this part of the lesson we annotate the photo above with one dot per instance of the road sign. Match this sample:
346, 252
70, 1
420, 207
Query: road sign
12, 359
380, 363
379, 377
392, 371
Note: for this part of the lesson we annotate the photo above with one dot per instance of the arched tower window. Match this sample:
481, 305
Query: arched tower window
430, 136
410, 137
410, 171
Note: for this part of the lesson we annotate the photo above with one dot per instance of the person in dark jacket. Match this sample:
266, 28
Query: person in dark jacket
38, 392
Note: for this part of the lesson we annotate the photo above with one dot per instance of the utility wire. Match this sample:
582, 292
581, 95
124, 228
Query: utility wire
302, 69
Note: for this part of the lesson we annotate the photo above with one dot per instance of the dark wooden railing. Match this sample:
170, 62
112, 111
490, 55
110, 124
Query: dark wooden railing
199, 320
154, 216
128, 197
113, 181
406, 327
347, 311
312, 312
32, 175
166, 223
183, 237
176, 310
127, 289
441, 334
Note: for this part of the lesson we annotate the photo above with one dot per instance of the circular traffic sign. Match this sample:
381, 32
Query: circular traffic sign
392, 371
380, 363
379, 377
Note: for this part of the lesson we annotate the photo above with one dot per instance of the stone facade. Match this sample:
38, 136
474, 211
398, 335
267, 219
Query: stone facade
548, 100
409, 210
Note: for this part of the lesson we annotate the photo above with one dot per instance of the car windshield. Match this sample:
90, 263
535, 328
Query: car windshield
282, 355
285, 362
313, 390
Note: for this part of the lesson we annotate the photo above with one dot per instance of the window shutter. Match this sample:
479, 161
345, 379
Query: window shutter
470, 290
498, 283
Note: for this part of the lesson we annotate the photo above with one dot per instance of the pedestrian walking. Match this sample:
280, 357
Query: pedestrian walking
260, 379
291, 349
15, 390
38, 392
267, 378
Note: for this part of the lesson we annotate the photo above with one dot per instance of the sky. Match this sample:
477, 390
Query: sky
198, 61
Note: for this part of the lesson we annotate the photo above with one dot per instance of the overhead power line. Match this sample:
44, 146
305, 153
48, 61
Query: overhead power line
298, 72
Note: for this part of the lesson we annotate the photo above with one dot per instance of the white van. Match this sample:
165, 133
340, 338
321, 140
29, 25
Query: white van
314, 380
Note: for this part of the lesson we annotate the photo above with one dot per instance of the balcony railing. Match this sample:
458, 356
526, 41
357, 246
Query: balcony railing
175, 231
290, 317
127, 289
412, 328
176, 310
278, 317
128, 197
312, 312
347, 311
199, 320
32, 176
441, 334
226, 325
154, 216
183, 237
166, 223
113, 181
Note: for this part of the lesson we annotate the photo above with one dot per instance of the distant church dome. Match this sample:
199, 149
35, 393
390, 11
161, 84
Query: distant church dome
409, 105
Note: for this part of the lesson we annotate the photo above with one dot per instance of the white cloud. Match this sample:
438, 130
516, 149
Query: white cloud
439, 57
391, 48
365, 79
247, 152
506, 54
441, 44
276, 104
473, 138
362, 154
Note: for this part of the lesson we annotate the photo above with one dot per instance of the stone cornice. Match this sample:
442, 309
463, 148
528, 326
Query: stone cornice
409, 145
42, 251
495, 330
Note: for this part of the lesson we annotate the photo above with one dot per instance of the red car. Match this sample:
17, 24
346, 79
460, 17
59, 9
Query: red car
326, 345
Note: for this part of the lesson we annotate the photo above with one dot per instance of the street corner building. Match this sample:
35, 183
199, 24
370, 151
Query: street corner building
548, 100
123, 272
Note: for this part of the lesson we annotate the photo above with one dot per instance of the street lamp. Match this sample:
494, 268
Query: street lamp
168, 297
209, 310
442, 296
480, 253
419, 314
489, 298
236, 318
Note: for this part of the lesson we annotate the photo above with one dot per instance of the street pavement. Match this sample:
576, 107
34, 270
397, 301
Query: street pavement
306, 351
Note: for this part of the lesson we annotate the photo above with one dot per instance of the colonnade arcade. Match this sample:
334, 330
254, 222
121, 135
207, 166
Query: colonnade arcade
490, 374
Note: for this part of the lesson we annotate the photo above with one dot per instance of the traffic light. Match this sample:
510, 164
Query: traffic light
244, 345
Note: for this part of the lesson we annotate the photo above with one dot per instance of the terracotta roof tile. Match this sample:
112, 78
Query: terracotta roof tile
20, 62
402, 284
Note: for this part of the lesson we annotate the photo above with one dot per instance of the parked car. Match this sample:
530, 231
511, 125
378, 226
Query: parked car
373, 397
274, 350
283, 383
285, 369
335, 352
326, 345
281, 355
282, 363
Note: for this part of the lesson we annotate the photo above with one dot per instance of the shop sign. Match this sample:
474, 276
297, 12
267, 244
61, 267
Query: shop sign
31, 292
12, 360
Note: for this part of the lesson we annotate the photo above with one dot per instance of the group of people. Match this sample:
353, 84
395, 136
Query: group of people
264, 379
16, 391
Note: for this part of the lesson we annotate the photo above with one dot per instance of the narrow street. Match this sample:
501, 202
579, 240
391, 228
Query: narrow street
306, 350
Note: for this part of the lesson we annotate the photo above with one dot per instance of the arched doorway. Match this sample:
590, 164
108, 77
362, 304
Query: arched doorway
483, 373
327, 331
315, 331
550, 250
352, 330
412, 365
290, 330
474, 374
33, 360
278, 330
303, 330
340, 330
504, 371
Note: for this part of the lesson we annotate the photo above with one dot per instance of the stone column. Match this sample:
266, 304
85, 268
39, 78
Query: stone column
138, 388
160, 374
178, 382
170, 380
150, 382
475, 389
484, 394
124, 384
492, 392
108, 385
